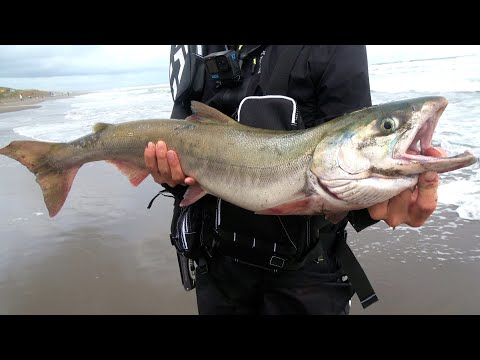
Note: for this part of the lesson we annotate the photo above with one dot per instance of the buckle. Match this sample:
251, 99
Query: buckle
277, 261
173, 240
202, 266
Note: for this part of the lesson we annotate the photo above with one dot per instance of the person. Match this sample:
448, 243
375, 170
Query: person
236, 272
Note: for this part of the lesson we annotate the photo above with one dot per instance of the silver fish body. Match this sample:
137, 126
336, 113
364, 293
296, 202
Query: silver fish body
351, 162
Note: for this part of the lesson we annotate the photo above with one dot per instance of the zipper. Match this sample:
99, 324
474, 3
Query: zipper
295, 118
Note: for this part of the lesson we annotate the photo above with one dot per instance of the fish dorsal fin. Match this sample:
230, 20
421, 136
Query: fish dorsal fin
100, 127
207, 114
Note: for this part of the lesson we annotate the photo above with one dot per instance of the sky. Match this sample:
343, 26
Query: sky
96, 67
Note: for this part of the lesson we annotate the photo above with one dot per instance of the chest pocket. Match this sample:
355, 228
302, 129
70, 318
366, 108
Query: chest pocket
266, 241
275, 112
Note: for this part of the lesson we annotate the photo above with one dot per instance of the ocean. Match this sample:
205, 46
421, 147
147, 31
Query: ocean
456, 78
101, 223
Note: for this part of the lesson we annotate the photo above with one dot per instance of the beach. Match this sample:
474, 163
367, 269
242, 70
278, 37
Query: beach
106, 253
430, 270
18, 105
12, 105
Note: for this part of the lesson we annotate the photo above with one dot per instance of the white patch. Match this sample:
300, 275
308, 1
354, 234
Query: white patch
178, 56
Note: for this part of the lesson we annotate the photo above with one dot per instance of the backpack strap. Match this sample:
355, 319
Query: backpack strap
278, 84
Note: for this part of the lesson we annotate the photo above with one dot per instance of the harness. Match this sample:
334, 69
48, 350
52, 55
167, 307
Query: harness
284, 255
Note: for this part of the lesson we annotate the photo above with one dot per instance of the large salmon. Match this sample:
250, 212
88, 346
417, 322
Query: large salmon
352, 162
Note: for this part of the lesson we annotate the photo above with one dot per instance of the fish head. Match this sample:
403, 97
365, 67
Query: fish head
383, 149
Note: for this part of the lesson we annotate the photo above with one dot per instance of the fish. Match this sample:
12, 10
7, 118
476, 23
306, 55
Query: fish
352, 162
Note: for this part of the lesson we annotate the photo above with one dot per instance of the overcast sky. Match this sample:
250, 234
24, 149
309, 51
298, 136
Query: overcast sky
94, 67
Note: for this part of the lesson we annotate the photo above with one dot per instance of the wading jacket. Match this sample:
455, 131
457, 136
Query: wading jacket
326, 81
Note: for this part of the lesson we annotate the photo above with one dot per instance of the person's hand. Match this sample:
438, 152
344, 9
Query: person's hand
412, 208
164, 166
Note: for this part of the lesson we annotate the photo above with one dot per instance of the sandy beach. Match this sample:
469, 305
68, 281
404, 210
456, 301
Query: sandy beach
105, 253
11, 105
429, 270
17, 105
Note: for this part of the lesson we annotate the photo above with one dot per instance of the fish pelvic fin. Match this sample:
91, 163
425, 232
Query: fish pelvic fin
54, 181
134, 173
193, 194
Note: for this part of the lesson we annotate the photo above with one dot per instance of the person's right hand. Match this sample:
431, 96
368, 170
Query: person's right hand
164, 166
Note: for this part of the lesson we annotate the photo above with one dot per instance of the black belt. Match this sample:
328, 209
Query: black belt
275, 262
270, 261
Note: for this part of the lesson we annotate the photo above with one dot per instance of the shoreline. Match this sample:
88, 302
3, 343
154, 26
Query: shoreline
12, 108
7, 106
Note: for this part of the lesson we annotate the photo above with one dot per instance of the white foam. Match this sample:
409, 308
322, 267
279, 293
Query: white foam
463, 192
457, 74
78, 115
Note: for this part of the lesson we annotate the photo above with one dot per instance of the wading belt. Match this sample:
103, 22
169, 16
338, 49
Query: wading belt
227, 245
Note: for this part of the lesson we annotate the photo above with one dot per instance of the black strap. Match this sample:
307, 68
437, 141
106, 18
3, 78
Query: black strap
274, 262
185, 265
278, 84
355, 273
269, 261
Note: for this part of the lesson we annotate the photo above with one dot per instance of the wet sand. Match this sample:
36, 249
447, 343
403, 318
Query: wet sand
431, 270
11, 108
18, 105
106, 253
11, 105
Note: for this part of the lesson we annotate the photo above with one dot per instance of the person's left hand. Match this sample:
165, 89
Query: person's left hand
412, 208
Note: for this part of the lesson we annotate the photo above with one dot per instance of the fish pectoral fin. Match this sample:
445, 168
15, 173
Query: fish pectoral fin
296, 207
134, 173
309, 205
193, 194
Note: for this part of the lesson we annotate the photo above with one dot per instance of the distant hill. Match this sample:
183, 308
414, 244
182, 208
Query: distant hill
14, 94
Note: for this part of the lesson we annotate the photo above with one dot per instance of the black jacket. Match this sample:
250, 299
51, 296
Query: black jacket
326, 81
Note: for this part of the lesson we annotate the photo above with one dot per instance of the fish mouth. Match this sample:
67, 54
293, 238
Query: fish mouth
414, 148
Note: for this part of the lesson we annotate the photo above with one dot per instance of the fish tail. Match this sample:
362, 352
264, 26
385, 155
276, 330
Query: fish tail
54, 180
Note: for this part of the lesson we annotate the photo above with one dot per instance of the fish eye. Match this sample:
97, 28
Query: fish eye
388, 124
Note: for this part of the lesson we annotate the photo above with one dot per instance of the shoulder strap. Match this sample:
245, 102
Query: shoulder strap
278, 84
